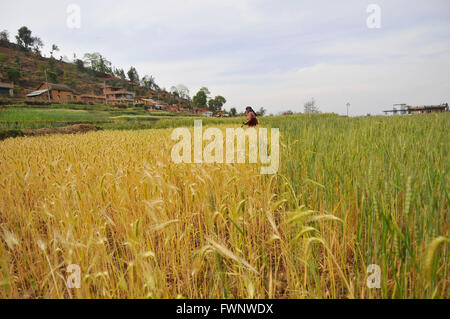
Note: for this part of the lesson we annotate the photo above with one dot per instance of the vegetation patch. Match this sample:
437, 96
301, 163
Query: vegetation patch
4, 134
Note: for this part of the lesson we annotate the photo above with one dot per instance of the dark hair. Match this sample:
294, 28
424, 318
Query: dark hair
250, 109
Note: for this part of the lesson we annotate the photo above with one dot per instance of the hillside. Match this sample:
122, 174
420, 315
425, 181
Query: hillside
27, 70
32, 66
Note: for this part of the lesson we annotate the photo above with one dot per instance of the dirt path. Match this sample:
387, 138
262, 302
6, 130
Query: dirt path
72, 129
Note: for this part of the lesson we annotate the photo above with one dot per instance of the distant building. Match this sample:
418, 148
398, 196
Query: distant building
116, 94
428, 109
149, 102
57, 92
208, 113
6, 89
221, 113
200, 111
91, 98
405, 109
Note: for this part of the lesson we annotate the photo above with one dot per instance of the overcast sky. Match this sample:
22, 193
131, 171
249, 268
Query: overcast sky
271, 54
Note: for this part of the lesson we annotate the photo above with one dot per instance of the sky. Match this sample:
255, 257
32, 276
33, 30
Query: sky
272, 54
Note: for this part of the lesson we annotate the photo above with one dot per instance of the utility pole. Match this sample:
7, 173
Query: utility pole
46, 83
348, 105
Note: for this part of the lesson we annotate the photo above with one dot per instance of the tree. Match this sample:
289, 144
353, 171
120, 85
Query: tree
38, 44
121, 74
200, 99
24, 38
207, 92
262, 111
13, 75
311, 107
26, 41
52, 76
4, 37
54, 49
79, 64
233, 111
212, 105
216, 103
42, 66
139, 91
133, 75
148, 82
52, 64
97, 63
181, 91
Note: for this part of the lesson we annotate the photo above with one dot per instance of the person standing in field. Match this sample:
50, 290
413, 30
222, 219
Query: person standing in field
251, 117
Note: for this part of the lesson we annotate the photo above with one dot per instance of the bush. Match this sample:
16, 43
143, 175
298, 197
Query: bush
10, 133
31, 102
13, 74
77, 103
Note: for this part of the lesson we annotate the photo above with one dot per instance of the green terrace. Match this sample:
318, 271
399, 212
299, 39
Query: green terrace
21, 116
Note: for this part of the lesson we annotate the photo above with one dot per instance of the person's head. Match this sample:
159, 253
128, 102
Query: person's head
249, 109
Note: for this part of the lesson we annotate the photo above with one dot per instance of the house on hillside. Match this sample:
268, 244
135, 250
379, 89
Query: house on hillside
149, 102
200, 111
158, 105
6, 89
57, 92
151, 93
117, 95
92, 98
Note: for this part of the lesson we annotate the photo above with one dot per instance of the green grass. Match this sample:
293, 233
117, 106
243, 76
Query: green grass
25, 114
57, 115
386, 177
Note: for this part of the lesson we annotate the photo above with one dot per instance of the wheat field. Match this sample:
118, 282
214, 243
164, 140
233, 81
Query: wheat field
349, 193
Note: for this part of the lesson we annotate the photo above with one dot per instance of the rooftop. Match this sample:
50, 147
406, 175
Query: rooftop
37, 93
61, 87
